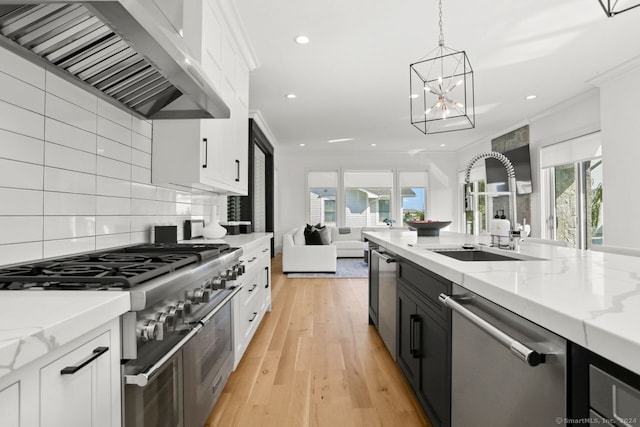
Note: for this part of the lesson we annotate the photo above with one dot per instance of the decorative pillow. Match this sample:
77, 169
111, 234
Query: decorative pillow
298, 237
317, 235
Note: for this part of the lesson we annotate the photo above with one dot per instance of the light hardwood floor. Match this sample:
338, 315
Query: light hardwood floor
315, 361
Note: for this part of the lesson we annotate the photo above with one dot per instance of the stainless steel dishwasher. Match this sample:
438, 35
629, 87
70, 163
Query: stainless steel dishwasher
506, 371
383, 266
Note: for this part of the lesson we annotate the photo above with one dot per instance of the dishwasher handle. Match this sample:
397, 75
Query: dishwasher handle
521, 351
384, 257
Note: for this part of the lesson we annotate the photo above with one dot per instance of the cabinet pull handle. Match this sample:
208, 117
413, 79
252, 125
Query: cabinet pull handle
255, 314
252, 259
414, 321
237, 170
97, 352
265, 249
206, 153
411, 322
268, 277
416, 340
255, 285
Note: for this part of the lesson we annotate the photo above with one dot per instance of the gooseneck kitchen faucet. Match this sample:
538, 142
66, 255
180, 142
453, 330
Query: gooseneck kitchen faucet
514, 233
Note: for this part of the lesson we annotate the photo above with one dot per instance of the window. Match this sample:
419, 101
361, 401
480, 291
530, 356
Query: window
368, 198
323, 188
413, 195
573, 175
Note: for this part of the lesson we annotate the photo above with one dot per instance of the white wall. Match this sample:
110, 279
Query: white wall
575, 117
620, 112
75, 171
292, 164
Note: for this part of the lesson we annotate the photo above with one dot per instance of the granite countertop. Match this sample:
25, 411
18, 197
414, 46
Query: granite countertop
34, 323
590, 298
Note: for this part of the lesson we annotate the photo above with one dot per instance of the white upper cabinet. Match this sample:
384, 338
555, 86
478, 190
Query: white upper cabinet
213, 152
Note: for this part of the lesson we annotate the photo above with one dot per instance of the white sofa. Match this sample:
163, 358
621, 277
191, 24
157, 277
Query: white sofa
297, 256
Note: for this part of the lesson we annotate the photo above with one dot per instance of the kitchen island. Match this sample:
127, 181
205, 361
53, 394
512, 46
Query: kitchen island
589, 298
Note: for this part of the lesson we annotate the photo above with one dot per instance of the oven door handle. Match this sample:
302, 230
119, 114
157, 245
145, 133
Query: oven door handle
142, 379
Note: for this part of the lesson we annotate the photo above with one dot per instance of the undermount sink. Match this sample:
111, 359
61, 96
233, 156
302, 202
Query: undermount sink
480, 254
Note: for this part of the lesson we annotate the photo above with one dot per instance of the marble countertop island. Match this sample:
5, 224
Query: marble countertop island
590, 298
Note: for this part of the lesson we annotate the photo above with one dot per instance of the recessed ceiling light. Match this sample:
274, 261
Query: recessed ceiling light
530, 97
302, 39
373, 145
291, 96
301, 145
339, 140
443, 145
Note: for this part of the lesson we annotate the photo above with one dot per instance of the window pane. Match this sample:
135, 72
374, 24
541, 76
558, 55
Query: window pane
367, 198
413, 195
565, 204
594, 202
322, 206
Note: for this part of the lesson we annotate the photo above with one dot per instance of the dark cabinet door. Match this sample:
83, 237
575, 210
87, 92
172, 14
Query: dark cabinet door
406, 355
434, 385
374, 287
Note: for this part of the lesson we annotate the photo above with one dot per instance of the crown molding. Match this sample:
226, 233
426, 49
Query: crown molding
239, 33
257, 116
615, 72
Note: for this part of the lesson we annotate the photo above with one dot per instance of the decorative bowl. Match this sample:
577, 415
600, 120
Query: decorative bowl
427, 228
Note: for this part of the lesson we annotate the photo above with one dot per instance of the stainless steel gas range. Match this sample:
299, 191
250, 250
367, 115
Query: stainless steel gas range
177, 351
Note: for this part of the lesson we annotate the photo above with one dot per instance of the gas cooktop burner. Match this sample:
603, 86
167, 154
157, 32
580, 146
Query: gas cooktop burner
202, 250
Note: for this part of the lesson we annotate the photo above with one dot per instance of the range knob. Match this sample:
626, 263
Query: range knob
166, 320
231, 274
149, 330
218, 283
185, 307
176, 312
241, 269
199, 295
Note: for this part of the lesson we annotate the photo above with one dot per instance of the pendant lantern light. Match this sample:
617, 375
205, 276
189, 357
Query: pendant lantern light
441, 90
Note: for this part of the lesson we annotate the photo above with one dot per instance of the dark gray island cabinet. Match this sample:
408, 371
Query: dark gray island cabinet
424, 339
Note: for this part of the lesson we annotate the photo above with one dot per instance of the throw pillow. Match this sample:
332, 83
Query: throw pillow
317, 235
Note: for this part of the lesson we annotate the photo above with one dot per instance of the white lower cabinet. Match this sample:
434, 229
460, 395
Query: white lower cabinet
75, 390
254, 300
74, 385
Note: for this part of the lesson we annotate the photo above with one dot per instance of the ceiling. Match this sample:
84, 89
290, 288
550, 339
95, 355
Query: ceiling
352, 79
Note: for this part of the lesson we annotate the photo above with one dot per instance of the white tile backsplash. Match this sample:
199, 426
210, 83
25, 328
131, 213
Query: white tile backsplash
68, 181
140, 142
113, 224
63, 157
20, 252
17, 229
69, 204
114, 150
140, 158
113, 205
114, 114
66, 227
21, 94
141, 127
53, 248
22, 69
20, 175
114, 168
113, 187
19, 120
20, 147
88, 187
70, 113
70, 92
20, 202
70, 136
114, 131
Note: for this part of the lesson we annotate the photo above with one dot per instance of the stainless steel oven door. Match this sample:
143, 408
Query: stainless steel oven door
159, 403
208, 362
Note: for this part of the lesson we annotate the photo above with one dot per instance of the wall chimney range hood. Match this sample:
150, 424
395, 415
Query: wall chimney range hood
126, 52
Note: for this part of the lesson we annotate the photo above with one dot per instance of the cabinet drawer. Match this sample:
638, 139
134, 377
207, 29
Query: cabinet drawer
613, 398
81, 396
425, 284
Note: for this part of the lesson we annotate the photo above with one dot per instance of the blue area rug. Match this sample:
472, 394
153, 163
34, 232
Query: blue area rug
345, 268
